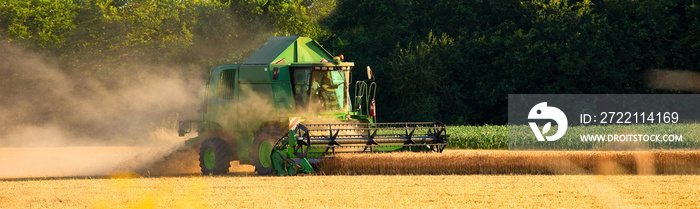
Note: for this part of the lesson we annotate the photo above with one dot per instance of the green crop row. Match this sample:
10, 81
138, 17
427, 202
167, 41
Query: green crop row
478, 137
638, 136
496, 137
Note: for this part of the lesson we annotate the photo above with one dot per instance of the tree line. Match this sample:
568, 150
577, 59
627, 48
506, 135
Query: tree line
450, 60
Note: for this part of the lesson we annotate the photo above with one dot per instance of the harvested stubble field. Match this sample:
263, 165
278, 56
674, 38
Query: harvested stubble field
110, 186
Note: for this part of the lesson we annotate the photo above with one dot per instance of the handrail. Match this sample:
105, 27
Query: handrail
360, 90
364, 91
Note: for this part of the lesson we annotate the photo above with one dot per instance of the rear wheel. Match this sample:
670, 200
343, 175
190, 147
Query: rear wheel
265, 140
215, 156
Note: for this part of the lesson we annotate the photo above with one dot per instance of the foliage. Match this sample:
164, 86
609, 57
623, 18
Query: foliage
94, 38
478, 137
510, 47
454, 61
688, 138
423, 73
497, 137
43, 23
288, 17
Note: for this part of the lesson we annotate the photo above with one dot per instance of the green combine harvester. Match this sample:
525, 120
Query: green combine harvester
288, 106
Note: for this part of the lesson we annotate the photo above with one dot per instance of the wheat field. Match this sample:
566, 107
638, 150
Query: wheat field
498, 179
107, 161
356, 191
516, 162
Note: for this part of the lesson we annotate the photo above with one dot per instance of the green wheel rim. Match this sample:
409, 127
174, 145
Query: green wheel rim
264, 154
209, 159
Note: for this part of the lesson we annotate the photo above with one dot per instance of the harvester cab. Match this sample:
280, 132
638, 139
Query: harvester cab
289, 106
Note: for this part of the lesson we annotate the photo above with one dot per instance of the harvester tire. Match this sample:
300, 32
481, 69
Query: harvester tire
215, 157
266, 138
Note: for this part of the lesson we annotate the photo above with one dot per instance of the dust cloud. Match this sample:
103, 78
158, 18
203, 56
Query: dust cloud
680, 80
59, 123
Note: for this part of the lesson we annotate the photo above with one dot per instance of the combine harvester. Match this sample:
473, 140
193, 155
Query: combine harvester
313, 117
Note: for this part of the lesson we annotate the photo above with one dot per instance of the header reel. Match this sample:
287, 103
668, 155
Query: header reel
321, 141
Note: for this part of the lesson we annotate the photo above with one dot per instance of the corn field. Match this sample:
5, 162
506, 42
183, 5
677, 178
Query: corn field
478, 137
496, 137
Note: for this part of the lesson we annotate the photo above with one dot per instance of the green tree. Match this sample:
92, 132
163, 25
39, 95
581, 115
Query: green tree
40, 23
287, 17
422, 81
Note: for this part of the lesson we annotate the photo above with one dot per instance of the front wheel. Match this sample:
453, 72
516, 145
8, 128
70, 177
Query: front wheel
215, 156
265, 140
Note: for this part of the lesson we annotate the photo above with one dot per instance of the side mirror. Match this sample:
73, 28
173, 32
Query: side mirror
184, 127
370, 75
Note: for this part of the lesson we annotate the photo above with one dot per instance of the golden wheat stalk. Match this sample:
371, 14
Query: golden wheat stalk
516, 162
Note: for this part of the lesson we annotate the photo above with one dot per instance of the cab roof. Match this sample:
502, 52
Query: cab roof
289, 49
